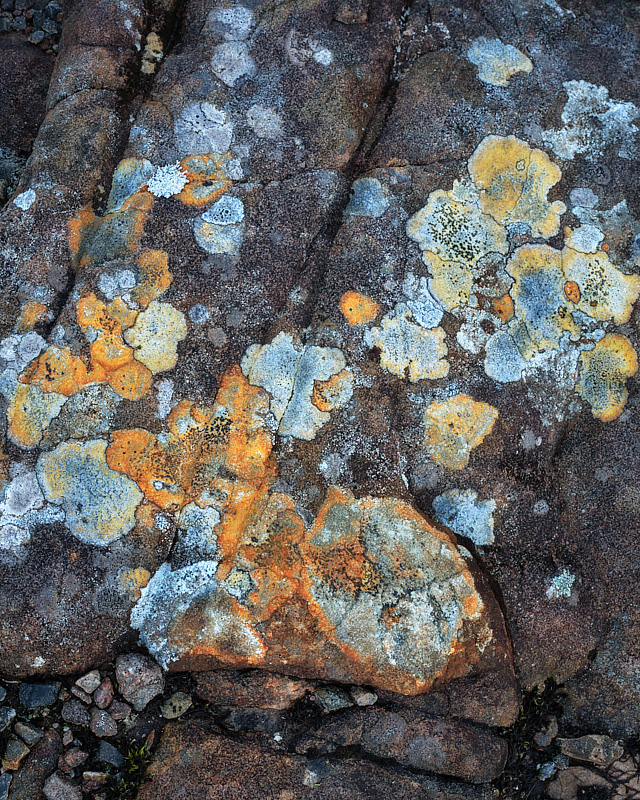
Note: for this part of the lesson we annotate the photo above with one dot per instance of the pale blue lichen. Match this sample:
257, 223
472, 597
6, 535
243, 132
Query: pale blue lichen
496, 61
202, 128
561, 585
368, 199
466, 515
503, 361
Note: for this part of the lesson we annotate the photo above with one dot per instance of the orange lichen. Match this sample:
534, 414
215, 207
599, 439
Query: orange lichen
131, 581
107, 322
131, 381
358, 309
503, 307
455, 427
30, 314
572, 291
155, 277
206, 180
334, 392
80, 226
603, 375
58, 370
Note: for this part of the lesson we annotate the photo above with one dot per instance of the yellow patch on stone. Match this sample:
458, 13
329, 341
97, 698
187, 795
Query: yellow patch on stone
132, 580
455, 427
156, 334
29, 413
334, 392
603, 375
206, 180
514, 180
605, 293
497, 61
152, 54
155, 277
58, 370
31, 313
358, 309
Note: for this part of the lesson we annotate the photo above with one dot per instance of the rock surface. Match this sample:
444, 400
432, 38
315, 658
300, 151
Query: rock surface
319, 357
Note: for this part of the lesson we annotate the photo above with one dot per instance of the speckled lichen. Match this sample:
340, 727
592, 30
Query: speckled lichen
466, 515
100, 504
408, 348
603, 375
455, 427
496, 61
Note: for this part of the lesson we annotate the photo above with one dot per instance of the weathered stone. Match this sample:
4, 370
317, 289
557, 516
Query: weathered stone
332, 698
570, 781
5, 785
362, 697
139, 679
599, 750
28, 733
71, 759
252, 689
57, 787
119, 711
103, 695
76, 691
15, 752
89, 682
102, 723
37, 767
110, 755
435, 745
7, 715
37, 695
176, 705
76, 713
189, 756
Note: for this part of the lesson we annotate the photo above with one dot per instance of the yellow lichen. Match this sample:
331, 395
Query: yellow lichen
206, 180
29, 413
132, 580
155, 277
603, 375
604, 292
31, 313
334, 392
514, 180
155, 336
455, 427
358, 309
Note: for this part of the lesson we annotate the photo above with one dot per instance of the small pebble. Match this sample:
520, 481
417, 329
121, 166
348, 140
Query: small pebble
3, 694
38, 695
89, 682
81, 695
59, 787
14, 752
110, 755
72, 759
7, 715
28, 734
176, 705
332, 698
103, 695
5, 785
119, 710
76, 713
139, 678
362, 697
102, 723
67, 737
93, 780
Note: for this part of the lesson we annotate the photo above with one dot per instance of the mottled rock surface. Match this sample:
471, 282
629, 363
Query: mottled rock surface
319, 357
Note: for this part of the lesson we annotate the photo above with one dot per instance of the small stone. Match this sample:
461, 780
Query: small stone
332, 698
253, 689
119, 711
3, 694
38, 695
89, 682
7, 715
110, 755
81, 695
597, 749
72, 759
19, 23
139, 679
547, 770
103, 695
102, 723
5, 785
15, 751
58, 787
93, 780
176, 705
28, 734
51, 27
545, 737
36, 37
363, 697
75, 713
67, 737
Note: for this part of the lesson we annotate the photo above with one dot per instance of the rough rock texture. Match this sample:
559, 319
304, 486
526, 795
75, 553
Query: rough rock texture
223, 769
320, 352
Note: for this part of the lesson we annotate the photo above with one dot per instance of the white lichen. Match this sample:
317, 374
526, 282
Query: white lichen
561, 585
466, 515
167, 181
496, 61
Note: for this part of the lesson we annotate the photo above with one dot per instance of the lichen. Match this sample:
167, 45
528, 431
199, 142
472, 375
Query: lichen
358, 309
455, 427
368, 199
406, 347
100, 504
603, 375
496, 61
466, 515
155, 336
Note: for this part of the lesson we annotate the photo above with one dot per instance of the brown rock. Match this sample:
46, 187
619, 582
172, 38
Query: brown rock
569, 781
58, 787
76, 713
15, 752
102, 723
71, 759
599, 750
103, 695
252, 689
208, 766
119, 711
38, 765
446, 747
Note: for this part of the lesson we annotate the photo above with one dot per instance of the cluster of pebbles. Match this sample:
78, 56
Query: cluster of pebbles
40, 21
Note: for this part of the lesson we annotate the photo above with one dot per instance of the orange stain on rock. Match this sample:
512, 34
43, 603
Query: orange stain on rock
155, 277
572, 291
206, 180
358, 309
503, 307
30, 314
